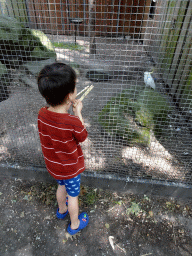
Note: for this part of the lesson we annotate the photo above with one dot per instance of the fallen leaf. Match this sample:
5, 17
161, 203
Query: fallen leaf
22, 214
25, 197
83, 191
47, 218
107, 225
151, 213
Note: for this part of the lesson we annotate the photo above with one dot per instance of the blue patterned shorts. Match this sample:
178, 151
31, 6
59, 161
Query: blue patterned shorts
72, 185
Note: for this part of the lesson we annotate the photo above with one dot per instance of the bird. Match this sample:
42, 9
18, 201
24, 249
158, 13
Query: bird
148, 80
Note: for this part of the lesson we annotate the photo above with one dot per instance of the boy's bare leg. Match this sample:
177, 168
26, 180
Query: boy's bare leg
73, 208
61, 198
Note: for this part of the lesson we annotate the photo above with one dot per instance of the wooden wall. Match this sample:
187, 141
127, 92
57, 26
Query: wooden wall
122, 17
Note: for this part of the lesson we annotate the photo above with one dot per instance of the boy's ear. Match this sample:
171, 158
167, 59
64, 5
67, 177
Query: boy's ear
69, 96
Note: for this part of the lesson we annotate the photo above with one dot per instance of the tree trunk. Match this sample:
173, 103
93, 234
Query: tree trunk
92, 23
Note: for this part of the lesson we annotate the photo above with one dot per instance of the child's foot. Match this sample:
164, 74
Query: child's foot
83, 219
61, 216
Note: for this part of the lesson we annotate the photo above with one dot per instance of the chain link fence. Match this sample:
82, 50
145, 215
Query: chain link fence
137, 54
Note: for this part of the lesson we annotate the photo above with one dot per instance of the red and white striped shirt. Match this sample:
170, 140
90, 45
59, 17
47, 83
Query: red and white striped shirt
60, 135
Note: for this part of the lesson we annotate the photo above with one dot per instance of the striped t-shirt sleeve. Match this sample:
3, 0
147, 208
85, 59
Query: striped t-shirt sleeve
79, 131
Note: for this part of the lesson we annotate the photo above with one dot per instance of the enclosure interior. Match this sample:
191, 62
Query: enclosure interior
136, 54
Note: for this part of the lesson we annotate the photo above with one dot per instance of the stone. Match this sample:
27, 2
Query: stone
98, 76
133, 118
28, 81
45, 49
35, 66
4, 94
117, 119
10, 29
3, 70
19, 44
153, 112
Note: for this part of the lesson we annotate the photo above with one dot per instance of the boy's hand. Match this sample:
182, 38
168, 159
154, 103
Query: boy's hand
77, 107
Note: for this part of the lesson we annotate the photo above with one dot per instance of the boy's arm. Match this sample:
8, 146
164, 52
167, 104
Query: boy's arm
77, 107
81, 118
80, 133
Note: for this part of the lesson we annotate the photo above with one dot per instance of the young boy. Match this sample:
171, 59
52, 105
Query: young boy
60, 134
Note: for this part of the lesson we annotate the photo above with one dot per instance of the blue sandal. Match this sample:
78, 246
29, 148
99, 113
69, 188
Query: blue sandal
84, 220
61, 216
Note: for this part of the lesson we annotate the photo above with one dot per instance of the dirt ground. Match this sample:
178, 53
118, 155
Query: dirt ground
120, 224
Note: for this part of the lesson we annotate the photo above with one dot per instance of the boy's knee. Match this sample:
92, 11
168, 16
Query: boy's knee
61, 188
72, 197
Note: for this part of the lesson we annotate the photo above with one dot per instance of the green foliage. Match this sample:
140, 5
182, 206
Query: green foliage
134, 209
133, 118
155, 109
90, 198
3, 69
37, 53
70, 46
144, 117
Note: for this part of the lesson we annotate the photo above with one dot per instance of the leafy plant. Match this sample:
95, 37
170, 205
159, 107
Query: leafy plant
134, 209
88, 195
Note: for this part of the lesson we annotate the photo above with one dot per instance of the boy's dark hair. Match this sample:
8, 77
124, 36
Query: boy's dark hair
55, 82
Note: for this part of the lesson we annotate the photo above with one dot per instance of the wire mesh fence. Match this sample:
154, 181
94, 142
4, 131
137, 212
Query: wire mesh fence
137, 54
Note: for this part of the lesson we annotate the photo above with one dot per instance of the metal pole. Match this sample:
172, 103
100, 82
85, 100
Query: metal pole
75, 32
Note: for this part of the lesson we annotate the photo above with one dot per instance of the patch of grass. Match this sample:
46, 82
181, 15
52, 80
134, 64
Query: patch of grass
70, 46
